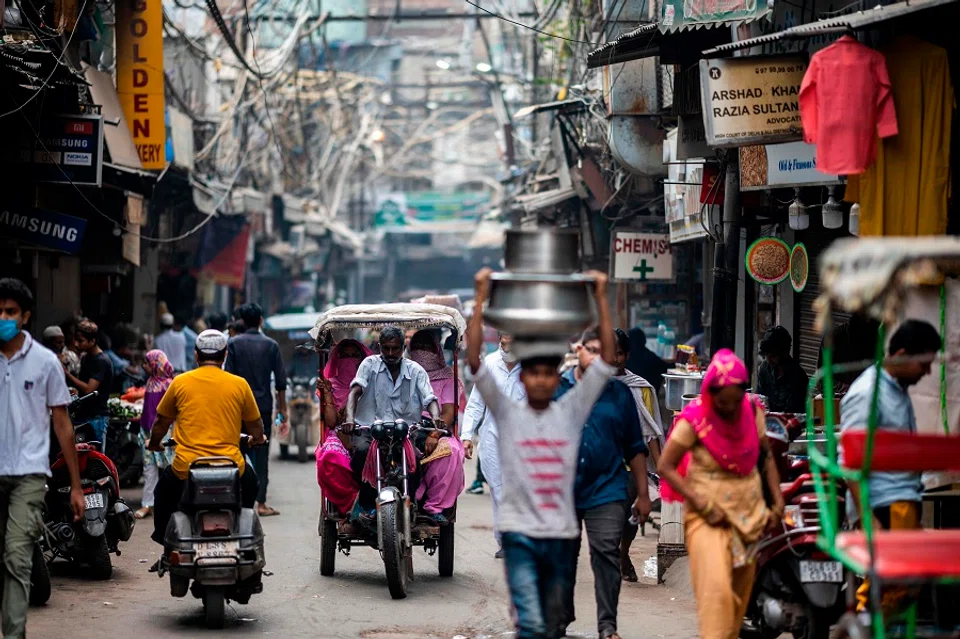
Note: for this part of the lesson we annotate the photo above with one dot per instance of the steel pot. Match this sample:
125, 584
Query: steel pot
677, 385
539, 306
687, 399
545, 251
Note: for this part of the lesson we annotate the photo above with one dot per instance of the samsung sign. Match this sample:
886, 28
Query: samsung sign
44, 228
68, 148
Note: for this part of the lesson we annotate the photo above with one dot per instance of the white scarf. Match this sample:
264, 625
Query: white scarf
651, 424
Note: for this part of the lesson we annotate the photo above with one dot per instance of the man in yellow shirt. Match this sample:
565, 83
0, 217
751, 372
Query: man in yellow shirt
210, 407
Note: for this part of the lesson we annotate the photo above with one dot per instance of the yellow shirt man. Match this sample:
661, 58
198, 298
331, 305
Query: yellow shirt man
209, 407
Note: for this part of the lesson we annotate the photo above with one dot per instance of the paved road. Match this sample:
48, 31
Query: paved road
298, 602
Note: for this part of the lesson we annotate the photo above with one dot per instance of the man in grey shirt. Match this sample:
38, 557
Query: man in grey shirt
256, 358
387, 387
539, 446
901, 490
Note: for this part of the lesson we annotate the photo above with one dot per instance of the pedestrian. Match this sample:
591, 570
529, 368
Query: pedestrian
505, 369
218, 322
896, 498
539, 444
644, 362
611, 435
159, 377
710, 462
234, 328
55, 340
96, 374
32, 391
190, 338
255, 357
648, 411
476, 488
779, 377
172, 343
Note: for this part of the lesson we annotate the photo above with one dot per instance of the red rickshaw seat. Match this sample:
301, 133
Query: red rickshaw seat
902, 451
906, 555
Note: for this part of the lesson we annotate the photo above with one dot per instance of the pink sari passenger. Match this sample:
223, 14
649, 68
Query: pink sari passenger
333, 459
443, 479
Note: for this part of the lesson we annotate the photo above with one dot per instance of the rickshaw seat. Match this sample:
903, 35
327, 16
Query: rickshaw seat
906, 555
902, 451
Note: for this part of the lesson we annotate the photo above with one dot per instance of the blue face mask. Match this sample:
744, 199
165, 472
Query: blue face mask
8, 330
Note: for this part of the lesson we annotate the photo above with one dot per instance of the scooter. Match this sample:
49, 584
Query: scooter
302, 408
107, 519
798, 589
212, 541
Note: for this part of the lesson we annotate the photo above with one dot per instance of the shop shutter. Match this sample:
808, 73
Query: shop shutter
808, 338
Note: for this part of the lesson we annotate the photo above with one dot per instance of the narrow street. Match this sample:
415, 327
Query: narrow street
298, 602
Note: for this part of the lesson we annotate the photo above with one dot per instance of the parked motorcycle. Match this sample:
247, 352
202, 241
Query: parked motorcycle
302, 409
107, 520
123, 448
213, 541
798, 589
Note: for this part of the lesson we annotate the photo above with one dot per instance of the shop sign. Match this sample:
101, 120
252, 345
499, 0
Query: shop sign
67, 148
406, 209
44, 228
680, 13
140, 77
781, 165
692, 139
752, 100
642, 257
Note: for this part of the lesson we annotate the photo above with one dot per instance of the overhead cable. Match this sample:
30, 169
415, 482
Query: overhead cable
525, 26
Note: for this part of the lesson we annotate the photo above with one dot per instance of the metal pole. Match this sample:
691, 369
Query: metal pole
731, 248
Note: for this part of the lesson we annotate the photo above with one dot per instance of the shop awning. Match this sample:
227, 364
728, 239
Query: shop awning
564, 106
860, 20
120, 145
655, 39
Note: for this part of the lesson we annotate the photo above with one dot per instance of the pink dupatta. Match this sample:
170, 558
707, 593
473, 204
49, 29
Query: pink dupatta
735, 445
341, 371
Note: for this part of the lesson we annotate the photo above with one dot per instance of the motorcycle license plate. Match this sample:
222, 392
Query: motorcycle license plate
216, 549
93, 500
821, 572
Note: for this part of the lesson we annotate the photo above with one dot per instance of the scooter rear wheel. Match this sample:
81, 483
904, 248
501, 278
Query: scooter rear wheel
214, 607
39, 578
98, 556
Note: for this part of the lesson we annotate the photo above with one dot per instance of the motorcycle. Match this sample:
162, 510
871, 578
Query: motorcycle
798, 588
123, 448
396, 528
107, 519
212, 541
302, 409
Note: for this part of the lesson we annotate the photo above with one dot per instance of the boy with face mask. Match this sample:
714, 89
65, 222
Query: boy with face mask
32, 388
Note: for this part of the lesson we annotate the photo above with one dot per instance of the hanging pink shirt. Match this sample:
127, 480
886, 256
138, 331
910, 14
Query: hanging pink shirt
845, 103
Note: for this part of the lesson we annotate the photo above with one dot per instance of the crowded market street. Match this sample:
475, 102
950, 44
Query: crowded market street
298, 602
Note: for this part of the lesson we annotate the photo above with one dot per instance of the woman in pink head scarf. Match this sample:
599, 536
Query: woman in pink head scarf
443, 456
159, 372
710, 463
333, 459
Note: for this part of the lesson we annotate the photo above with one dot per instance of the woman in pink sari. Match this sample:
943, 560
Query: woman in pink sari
442, 464
710, 463
333, 459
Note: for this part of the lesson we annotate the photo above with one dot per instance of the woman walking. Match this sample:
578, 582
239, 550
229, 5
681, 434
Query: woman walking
710, 462
159, 376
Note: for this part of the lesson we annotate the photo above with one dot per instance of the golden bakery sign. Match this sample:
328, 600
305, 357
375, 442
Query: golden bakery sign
752, 100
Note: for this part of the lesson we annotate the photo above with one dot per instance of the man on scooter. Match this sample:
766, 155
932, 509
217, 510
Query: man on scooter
209, 407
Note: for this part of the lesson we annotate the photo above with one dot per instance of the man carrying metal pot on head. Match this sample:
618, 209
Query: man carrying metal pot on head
387, 387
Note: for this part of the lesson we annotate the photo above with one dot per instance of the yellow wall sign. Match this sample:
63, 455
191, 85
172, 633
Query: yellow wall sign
140, 77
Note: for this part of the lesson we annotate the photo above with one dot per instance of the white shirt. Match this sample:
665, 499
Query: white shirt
31, 383
174, 346
508, 381
388, 399
539, 451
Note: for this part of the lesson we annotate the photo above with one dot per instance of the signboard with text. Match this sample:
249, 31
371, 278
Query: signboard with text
676, 14
140, 77
752, 100
641, 257
67, 148
780, 165
43, 228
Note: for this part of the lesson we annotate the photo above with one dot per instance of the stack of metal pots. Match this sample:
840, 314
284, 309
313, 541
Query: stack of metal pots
540, 299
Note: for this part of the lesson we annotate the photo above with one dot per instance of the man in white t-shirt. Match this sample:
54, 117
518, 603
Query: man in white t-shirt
32, 388
539, 442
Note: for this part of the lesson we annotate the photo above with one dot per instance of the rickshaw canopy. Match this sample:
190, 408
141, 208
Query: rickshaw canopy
375, 316
873, 274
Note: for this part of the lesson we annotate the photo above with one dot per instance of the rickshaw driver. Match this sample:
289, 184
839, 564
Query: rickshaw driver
387, 387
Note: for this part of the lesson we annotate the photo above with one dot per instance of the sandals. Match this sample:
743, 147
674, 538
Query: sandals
266, 511
143, 513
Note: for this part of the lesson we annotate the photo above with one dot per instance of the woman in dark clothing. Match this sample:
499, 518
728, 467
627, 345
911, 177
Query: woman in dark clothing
644, 362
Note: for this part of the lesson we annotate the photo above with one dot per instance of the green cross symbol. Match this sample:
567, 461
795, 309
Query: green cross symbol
643, 270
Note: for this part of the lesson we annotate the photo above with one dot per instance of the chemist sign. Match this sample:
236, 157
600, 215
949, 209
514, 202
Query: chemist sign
752, 100
641, 257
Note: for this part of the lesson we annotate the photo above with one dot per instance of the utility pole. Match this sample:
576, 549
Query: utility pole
727, 263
